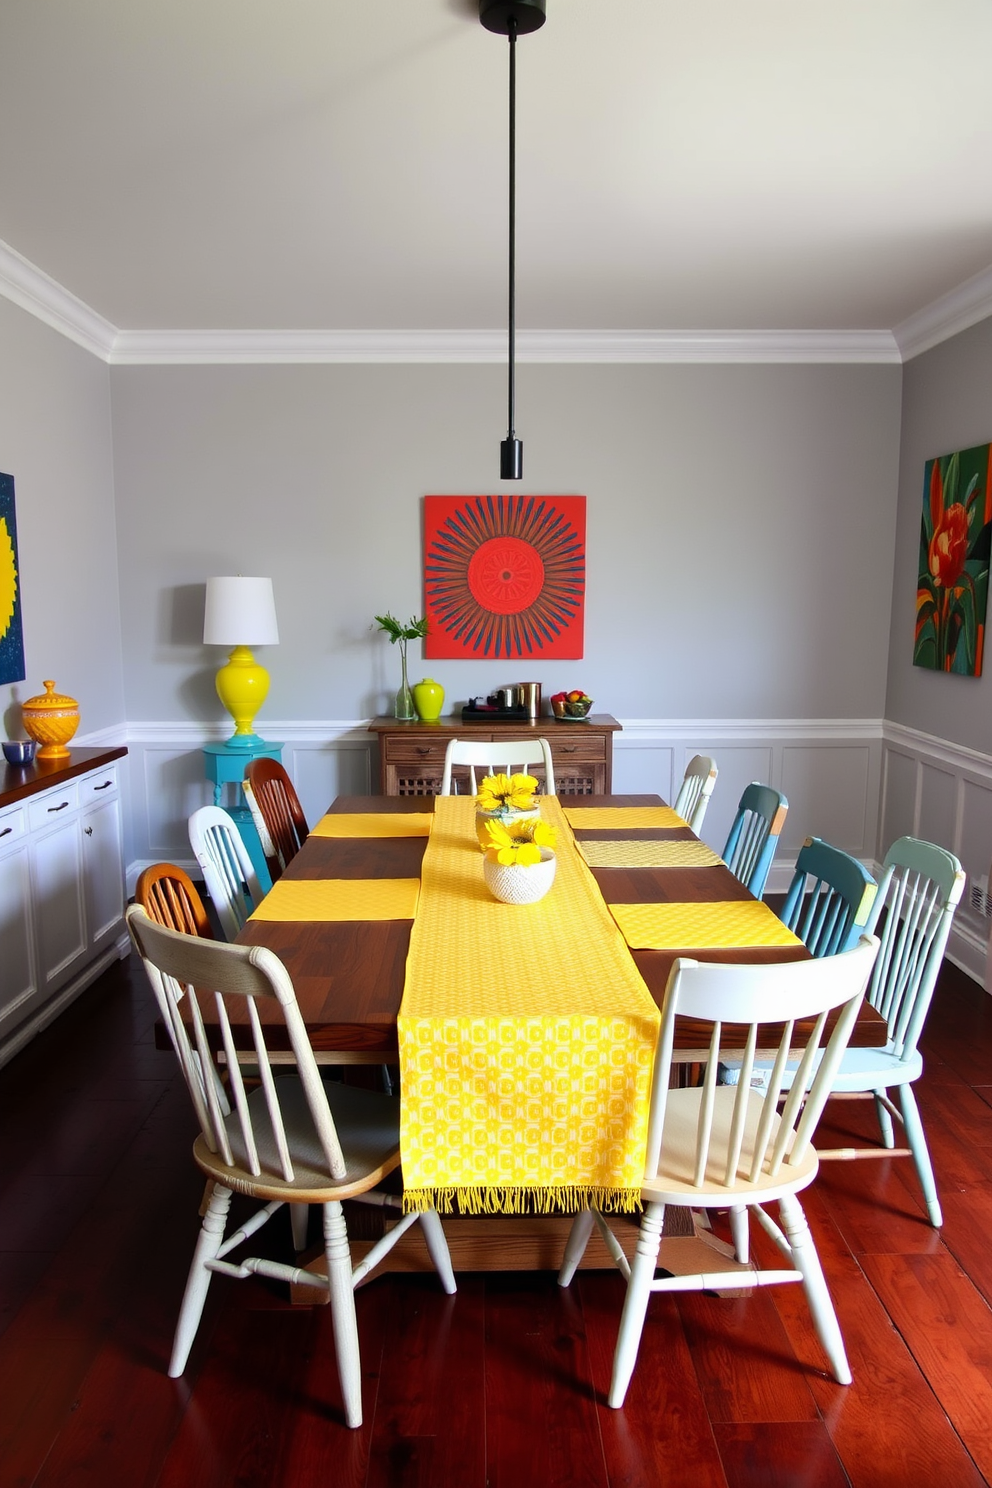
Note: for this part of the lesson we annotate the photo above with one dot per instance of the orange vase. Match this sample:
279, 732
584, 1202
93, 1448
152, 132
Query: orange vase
51, 718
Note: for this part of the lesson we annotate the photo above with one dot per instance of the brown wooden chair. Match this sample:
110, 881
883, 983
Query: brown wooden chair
275, 805
168, 895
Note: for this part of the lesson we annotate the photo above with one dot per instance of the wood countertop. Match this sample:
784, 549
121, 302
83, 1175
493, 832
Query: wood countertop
20, 781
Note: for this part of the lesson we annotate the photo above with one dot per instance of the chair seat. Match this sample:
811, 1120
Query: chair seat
860, 1069
675, 1181
368, 1125
875, 1069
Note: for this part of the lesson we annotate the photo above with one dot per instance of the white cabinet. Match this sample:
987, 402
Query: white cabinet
61, 897
17, 933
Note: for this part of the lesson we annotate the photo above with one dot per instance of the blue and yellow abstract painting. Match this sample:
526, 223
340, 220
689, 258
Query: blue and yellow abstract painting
11, 635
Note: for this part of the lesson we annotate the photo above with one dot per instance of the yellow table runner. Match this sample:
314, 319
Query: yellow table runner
655, 853
727, 924
374, 824
623, 816
526, 1039
340, 899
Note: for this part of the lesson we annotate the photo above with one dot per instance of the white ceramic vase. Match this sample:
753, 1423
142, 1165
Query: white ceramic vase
520, 883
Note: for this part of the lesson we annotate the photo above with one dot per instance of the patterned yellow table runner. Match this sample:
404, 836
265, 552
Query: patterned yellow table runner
374, 824
340, 899
526, 1039
656, 853
623, 816
716, 926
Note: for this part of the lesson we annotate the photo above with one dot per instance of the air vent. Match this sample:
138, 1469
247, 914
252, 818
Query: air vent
980, 899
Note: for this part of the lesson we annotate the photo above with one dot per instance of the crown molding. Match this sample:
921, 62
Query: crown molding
955, 311
25, 285
135, 348
45, 299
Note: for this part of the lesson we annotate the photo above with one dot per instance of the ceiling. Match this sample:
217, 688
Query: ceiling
333, 165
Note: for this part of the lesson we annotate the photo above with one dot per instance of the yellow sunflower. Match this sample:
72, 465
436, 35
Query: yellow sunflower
503, 792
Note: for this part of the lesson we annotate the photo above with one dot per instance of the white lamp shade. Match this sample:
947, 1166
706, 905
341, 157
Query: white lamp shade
240, 612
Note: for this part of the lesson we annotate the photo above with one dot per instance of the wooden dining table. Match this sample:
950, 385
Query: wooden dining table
349, 977
349, 974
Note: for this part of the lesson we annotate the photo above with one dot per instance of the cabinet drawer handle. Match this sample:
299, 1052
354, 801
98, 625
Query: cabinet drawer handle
88, 831
6, 832
568, 748
425, 752
58, 808
105, 786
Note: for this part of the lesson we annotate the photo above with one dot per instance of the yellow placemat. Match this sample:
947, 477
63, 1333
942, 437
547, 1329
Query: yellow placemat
526, 1038
623, 816
671, 927
601, 853
374, 824
340, 899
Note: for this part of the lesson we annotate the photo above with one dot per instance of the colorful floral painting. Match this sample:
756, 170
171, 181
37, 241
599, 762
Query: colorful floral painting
11, 639
953, 588
504, 576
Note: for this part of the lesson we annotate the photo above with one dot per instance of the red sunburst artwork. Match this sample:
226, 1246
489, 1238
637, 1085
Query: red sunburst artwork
504, 576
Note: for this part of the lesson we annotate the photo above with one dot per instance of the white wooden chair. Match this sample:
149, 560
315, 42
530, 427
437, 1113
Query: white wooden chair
231, 881
293, 1140
727, 1146
490, 756
695, 790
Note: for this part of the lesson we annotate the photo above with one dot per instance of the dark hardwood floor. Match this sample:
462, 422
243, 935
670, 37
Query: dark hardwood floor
503, 1385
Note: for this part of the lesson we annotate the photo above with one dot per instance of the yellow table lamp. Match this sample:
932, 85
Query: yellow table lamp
241, 612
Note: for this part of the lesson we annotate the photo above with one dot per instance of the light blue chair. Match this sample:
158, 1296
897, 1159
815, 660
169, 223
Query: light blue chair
695, 790
921, 888
830, 899
754, 835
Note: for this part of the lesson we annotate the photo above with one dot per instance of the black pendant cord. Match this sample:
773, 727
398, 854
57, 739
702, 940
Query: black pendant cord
511, 378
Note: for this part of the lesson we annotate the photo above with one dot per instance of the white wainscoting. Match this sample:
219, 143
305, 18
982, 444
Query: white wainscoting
168, 782
943, 793
860, 783
828, 769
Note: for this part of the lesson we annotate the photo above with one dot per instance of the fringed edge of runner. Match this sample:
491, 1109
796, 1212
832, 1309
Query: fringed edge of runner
494, 1199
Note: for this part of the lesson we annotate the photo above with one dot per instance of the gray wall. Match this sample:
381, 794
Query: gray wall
946, 407
740, 524
55, 440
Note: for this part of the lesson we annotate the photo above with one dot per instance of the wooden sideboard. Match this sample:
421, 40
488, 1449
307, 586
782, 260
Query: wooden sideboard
411, 755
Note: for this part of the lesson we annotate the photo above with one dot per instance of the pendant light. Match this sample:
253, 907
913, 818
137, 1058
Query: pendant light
512, 18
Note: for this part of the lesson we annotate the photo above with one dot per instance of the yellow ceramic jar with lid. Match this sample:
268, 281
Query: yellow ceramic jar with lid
428, 699
52, 718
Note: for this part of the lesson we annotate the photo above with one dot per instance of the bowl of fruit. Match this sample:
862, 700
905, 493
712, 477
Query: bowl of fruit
570, 707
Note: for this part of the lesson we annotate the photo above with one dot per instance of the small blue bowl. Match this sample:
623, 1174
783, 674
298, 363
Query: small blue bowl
19, 751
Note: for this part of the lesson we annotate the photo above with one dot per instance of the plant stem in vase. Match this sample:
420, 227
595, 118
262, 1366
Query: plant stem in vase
413, 630
404, 697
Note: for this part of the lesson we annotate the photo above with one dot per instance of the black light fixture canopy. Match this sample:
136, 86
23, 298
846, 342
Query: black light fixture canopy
512, 18
496, 15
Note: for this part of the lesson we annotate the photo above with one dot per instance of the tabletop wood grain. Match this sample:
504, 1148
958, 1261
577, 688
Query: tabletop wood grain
349, 975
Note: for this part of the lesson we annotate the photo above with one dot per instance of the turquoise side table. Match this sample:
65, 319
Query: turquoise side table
226, 766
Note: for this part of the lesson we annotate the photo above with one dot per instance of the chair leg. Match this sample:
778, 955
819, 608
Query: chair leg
884, 1121
342, 1298
208, 1243
740, 1232
299, 1214
575, 1245
921, 1153
635, 1304
437, 1247
807, 1262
